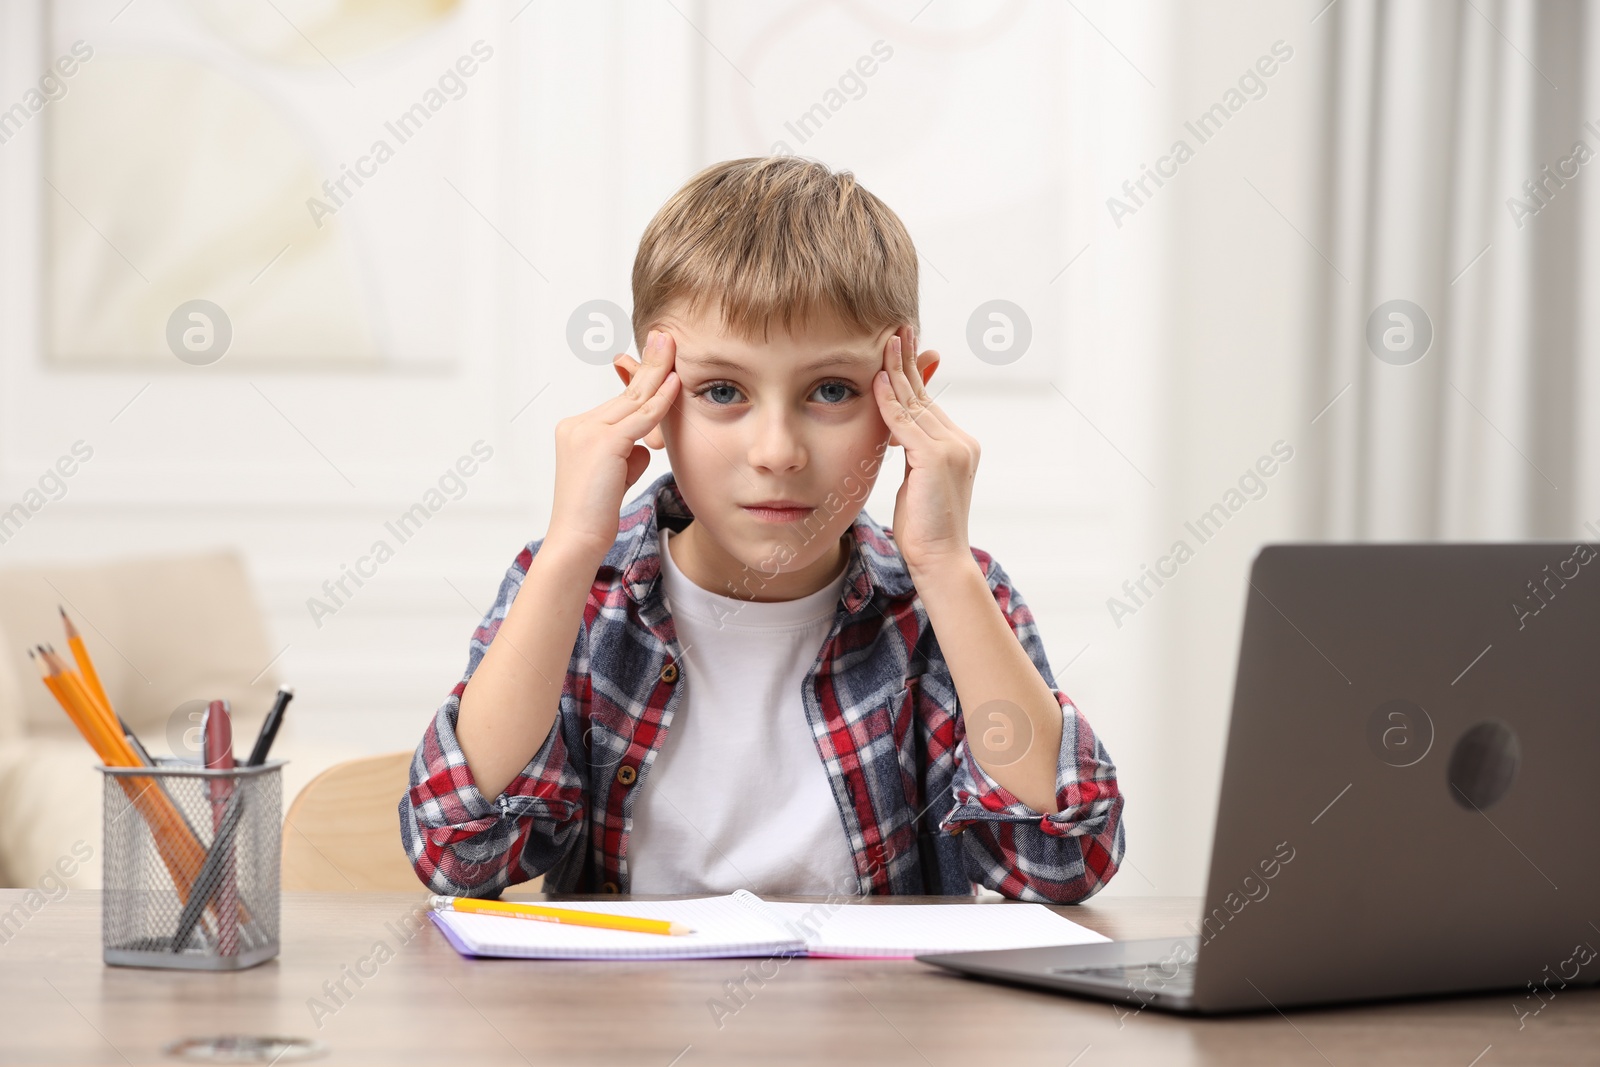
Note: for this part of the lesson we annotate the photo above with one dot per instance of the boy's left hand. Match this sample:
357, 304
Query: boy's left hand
931, 508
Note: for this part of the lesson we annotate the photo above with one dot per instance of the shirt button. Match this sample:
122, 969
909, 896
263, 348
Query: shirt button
669, 673
609, 887
627, 775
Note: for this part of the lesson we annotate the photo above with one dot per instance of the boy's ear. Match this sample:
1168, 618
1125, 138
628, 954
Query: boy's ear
625, 366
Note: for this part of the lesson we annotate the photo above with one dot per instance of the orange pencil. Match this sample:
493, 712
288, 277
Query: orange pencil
84, 727
80, 655
89, 724
105, 723
514, 909
179, 849
175, 839
91, 683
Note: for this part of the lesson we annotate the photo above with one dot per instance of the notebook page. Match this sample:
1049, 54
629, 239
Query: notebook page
722, 927
905, 930
776, 919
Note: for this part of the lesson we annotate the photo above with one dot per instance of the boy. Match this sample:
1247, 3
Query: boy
745, 681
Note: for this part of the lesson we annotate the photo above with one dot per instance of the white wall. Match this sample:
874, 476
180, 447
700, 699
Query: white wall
1163, 359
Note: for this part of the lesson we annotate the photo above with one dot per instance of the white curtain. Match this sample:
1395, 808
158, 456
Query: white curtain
1460, 149
1376, 167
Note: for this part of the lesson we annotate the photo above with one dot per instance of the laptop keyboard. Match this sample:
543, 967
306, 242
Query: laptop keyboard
1159, 975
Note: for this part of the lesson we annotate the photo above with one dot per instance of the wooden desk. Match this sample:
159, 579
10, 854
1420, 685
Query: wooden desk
426, 1004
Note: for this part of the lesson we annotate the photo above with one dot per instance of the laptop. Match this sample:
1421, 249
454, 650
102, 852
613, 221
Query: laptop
1410, 797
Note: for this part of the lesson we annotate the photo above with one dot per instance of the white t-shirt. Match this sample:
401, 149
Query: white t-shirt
737, 797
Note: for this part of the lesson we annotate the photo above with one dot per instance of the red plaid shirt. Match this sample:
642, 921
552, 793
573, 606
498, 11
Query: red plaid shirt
880, 677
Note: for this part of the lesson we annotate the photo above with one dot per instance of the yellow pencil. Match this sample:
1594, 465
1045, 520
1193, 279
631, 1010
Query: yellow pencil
178, 848
70, 692
566, 916
80, 654
76, 688
174, 838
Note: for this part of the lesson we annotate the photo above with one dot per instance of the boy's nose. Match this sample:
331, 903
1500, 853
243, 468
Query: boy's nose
776, 446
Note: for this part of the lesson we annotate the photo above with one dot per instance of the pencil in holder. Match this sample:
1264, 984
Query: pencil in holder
191, 865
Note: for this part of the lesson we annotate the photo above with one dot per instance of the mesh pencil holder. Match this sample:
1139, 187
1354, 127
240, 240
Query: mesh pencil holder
191, 865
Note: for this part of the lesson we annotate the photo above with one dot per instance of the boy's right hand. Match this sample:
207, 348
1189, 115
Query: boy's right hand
598, 457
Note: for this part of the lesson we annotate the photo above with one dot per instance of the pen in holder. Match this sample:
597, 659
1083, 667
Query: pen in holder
191, 865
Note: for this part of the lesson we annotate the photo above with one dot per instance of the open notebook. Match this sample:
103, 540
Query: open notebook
742, 924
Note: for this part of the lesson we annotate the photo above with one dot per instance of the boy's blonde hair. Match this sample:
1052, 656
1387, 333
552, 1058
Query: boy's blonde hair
776, 237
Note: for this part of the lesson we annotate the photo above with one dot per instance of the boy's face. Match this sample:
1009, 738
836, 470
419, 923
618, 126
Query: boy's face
792, 419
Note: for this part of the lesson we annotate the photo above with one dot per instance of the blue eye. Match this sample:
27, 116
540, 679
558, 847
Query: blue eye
849, 390
715, 386
718, 387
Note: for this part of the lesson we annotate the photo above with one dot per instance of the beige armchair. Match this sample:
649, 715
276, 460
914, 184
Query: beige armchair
164, 633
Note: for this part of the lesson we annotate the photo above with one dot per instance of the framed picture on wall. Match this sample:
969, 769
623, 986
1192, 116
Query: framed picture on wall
253, 180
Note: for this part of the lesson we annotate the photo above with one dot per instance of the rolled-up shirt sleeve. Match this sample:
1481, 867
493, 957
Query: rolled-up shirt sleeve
1013, 849
460, 842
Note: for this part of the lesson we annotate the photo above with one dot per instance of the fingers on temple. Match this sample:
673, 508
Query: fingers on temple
644, 380
645, 415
